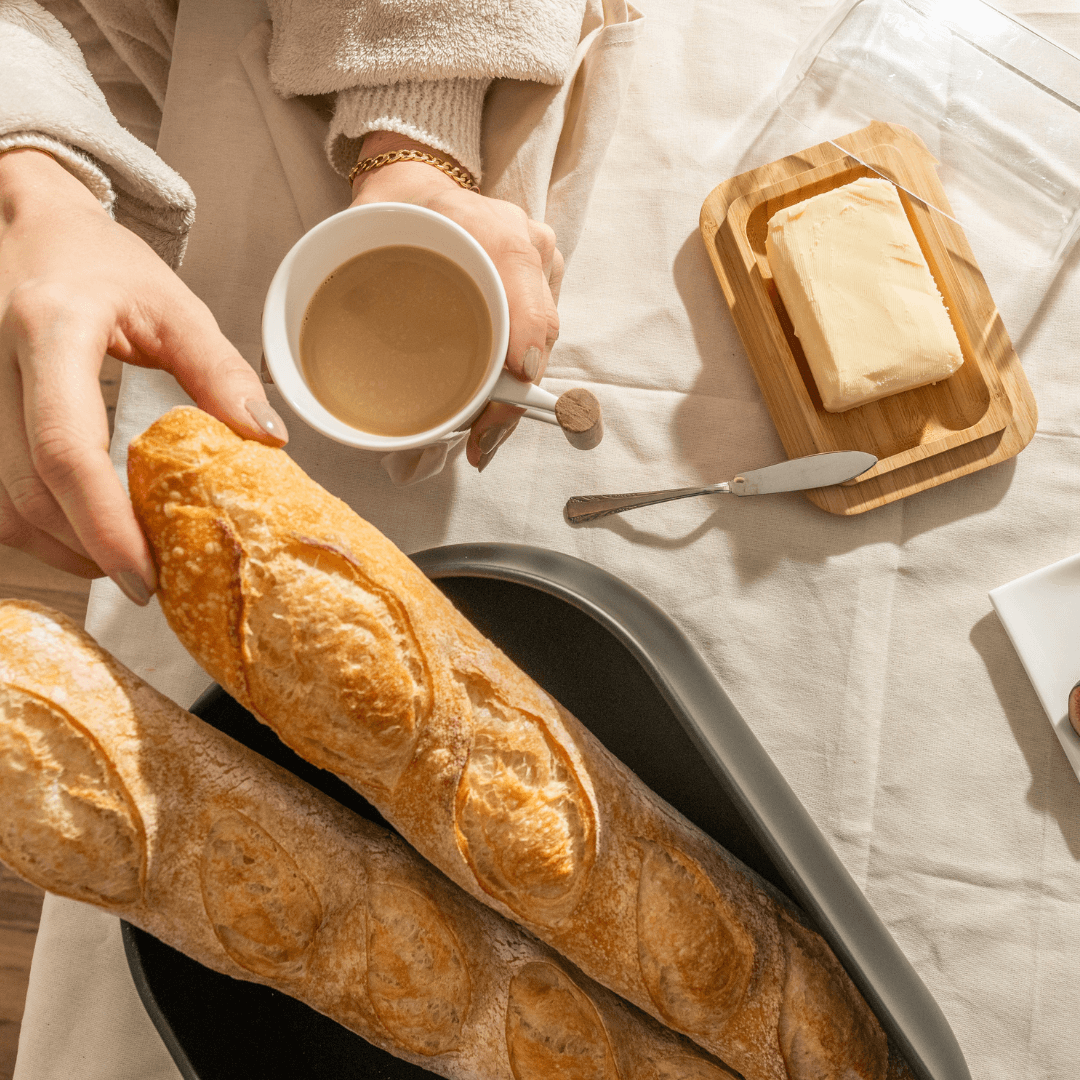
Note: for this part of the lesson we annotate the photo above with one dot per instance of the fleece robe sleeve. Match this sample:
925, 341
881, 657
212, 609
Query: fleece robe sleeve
49, 100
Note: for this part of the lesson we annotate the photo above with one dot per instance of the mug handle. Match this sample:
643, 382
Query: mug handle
538, 403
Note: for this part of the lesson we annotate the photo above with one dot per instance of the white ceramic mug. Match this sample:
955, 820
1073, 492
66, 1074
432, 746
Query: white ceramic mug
336, 240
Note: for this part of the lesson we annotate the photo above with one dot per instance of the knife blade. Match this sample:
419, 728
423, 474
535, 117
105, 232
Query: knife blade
799, 474
802, 474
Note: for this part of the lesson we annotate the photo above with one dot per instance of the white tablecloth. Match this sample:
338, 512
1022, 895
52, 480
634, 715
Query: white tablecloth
863, 652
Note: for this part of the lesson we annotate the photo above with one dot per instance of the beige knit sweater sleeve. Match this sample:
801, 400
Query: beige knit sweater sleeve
419, 67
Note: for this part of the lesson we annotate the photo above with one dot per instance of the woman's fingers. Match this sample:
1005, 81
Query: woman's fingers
62, 499
524, 254
15, 532
185, 340
526, 271
62, 454
73, 286
555, 277
26, 500
534, 319
542, 237
490, 430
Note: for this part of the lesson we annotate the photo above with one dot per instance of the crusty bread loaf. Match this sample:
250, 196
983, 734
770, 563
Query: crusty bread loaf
111, 794
329, 634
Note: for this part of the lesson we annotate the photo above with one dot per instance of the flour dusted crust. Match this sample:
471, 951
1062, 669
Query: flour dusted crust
815, 1039
99, 853
267, 602
417, 977
523, 820
696, 959
553, 1029
264, 911
485, 774
112, 794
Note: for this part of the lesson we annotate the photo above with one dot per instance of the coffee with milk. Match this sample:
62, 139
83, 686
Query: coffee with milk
396, 340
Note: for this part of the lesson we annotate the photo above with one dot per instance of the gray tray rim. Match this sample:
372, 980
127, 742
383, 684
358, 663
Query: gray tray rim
815, 877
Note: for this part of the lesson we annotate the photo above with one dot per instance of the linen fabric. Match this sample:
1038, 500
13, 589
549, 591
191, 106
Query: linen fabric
862, 651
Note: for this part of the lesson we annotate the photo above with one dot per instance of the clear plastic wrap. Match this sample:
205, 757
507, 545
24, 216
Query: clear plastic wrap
996, 104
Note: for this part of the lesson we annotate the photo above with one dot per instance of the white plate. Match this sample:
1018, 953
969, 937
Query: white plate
1041, 613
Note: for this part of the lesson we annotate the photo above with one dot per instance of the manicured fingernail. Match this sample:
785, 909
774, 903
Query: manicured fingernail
132, 586
491, 439
530, 363
267, 419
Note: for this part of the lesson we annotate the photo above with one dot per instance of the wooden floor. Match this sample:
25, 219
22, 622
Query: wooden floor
20, 903
20, 909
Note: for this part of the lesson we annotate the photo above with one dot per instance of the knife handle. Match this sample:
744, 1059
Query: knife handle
590, 507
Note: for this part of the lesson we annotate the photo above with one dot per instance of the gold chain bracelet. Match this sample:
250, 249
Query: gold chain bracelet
453, 171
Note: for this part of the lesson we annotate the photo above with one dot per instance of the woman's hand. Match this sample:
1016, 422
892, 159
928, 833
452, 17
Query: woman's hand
523, 251
74, 286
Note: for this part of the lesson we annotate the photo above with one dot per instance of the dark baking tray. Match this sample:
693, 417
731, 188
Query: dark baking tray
625, 670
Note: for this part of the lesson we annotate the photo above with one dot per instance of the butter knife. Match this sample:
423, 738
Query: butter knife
800, 474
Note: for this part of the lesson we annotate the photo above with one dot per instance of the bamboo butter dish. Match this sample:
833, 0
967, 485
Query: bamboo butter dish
981, 414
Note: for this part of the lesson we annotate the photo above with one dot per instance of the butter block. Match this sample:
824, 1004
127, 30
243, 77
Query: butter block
860, 295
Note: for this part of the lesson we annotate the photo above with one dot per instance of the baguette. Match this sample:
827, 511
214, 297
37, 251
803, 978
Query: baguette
325, 631
115, 796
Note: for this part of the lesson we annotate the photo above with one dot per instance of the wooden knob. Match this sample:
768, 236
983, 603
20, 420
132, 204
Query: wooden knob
1074, 708
578, 413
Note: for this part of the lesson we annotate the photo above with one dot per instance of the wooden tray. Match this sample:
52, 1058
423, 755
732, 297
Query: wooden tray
983, 414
